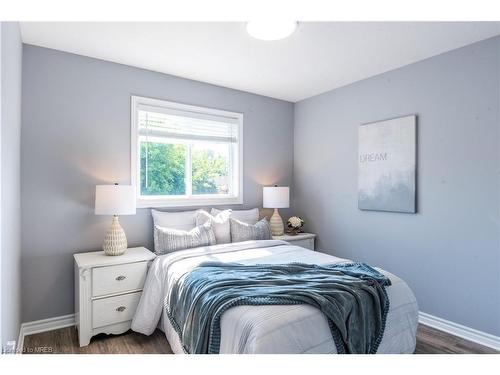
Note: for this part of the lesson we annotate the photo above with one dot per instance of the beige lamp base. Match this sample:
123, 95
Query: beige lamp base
115, 242
276, 222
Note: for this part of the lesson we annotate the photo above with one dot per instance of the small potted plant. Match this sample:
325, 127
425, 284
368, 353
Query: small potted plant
295, 225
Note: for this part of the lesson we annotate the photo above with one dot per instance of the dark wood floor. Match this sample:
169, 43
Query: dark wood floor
65, 341
432, 341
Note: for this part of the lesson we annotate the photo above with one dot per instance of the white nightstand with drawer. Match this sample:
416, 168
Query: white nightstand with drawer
108, 290
302, 239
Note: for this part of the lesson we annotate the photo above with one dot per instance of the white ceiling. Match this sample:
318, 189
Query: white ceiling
318, 57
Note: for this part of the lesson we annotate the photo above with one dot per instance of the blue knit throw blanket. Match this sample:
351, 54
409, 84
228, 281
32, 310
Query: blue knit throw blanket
351, 295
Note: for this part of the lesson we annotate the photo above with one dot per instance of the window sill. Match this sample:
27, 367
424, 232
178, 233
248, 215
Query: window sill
196, 202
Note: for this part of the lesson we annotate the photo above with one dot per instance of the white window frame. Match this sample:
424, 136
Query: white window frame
185, 200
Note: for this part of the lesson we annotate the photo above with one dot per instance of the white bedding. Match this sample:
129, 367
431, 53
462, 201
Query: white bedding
269, 329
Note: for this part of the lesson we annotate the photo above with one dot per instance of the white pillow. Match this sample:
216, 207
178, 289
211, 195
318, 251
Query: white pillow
219, 222
245, 216
183, 220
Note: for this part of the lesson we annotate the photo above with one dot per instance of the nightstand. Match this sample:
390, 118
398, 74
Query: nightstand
302, 239
108, 290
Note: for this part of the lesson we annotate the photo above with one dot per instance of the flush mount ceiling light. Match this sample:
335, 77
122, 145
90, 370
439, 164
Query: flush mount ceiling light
271, 30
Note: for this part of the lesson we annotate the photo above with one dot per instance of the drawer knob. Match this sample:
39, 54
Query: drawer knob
120, 278
121, 308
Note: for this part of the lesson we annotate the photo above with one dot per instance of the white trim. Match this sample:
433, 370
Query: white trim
20, 340
459, 330
193, 201
161, 202
44, 325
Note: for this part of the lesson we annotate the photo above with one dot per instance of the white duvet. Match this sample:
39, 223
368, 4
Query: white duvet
268, 329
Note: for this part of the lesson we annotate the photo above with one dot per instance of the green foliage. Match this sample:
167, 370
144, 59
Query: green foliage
166, 169
207, 167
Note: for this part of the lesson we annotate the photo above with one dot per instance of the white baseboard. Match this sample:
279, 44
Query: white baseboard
44, 325
459, 330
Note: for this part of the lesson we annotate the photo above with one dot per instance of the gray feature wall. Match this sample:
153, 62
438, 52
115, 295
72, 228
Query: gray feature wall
10, 220
449, 252
76, 134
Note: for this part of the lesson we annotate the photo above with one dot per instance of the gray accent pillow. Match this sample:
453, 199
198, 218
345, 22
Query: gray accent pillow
168, 240
246, 232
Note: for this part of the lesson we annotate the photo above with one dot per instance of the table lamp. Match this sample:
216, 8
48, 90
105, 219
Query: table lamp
115, 200
276, 197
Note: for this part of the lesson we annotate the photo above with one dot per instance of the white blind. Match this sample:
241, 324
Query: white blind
173, 123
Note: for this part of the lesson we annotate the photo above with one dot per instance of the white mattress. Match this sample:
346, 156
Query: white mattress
269, 329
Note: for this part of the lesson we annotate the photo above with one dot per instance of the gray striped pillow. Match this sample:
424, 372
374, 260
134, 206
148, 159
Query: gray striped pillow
245, 232
168, 240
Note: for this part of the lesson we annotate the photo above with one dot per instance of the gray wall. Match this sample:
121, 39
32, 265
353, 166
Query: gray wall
449, 253
10, 77
76, 134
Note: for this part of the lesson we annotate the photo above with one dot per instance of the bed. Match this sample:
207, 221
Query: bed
276, 329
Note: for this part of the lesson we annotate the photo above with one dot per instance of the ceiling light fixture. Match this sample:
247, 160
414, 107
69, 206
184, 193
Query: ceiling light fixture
271, 30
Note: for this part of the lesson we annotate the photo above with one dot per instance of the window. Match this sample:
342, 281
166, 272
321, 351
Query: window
184, 155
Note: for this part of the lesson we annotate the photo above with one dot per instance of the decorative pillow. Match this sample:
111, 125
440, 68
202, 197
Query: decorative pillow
168, 240
219, 222
246, 216
245, 232
182, 220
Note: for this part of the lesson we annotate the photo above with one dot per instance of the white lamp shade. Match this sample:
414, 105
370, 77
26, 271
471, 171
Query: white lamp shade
276, 197
114, 200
